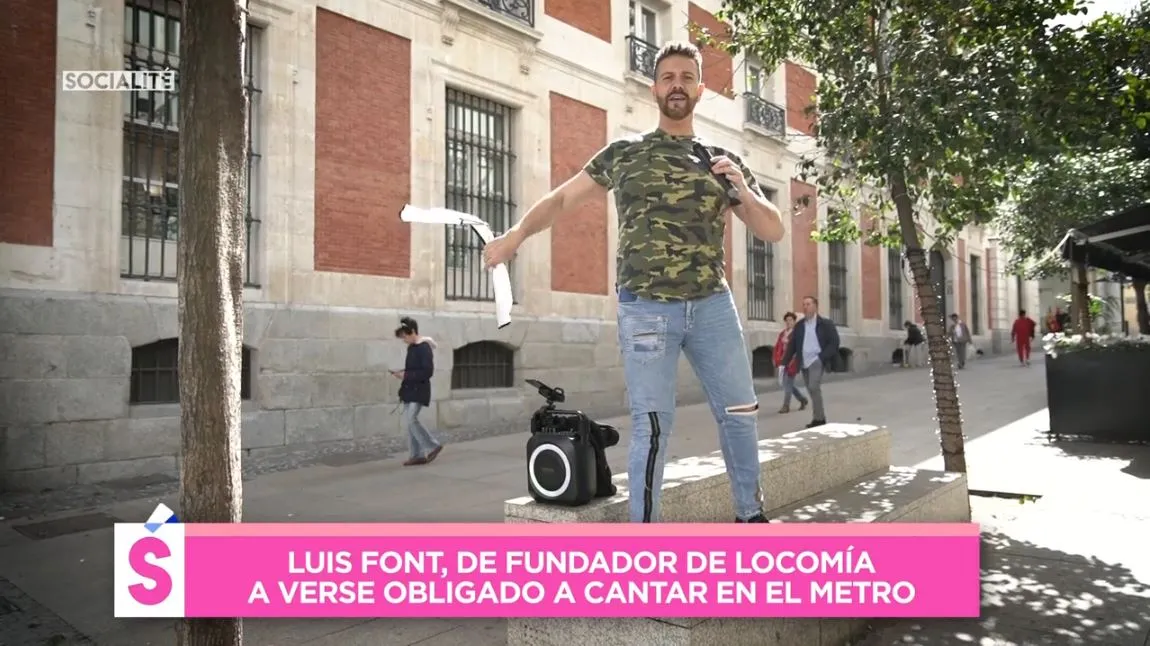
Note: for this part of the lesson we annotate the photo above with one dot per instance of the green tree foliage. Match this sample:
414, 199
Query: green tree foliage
1063, 192
923, 107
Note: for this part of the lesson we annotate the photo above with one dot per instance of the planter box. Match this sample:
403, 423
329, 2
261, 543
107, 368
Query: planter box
1101, 394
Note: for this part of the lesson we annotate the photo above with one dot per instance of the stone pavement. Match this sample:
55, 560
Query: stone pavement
61, 560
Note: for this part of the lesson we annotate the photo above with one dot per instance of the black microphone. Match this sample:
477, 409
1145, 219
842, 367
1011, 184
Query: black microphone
705, 161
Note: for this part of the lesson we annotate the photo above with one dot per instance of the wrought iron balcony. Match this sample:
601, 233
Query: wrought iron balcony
518, 10
765, 115
642, 56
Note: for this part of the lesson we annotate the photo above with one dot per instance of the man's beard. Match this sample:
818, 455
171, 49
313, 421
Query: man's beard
678, 110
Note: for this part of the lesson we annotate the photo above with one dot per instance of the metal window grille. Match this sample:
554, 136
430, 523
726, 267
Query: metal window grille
837, 272
975, 295
519, 10
763, 362
760, 279
151, 191
480, 162
764, 114
894, 288
155, 375
483, 364
641, 56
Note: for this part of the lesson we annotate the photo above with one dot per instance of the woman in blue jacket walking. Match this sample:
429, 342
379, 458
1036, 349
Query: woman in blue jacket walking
415, 391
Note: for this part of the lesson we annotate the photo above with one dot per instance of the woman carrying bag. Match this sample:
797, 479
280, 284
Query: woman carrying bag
787, 373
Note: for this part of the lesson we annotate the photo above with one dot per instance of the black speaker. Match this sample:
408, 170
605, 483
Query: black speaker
560, 469
566, 454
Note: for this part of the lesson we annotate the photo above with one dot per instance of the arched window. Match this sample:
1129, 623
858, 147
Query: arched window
483, 364
763, 362
156, 373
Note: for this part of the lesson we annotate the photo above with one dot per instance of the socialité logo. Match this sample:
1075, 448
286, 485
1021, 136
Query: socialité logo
149, 566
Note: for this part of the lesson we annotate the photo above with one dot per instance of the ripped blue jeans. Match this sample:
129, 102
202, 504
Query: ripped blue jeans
652, 336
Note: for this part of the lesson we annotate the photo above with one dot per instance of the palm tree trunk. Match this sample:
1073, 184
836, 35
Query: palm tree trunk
213, 197
946, 404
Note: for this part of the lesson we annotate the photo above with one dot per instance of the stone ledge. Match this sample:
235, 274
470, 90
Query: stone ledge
891, 495
794, 467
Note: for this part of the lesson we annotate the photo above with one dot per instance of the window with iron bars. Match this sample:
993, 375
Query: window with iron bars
483, 364
151, 190
760, 276
837, 273
975, 294
155, 375
480, 161
894, 287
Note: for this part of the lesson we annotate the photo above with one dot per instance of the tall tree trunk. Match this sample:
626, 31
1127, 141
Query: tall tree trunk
213, 197
1142, 312
946, 403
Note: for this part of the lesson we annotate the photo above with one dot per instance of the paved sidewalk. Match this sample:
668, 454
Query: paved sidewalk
70, 574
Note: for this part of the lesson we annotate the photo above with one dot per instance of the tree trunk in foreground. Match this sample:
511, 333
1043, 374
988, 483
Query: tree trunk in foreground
939, 349
213, 196
1142, 311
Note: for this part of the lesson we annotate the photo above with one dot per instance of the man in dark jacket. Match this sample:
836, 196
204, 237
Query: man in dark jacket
815, 340
415, 391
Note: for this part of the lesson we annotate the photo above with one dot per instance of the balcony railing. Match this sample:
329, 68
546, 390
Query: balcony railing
518, 10
641, 55
765, 115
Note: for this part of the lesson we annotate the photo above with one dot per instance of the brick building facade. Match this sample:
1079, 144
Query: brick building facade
358, 109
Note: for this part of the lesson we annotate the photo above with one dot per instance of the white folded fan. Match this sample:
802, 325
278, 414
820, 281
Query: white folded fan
499, 275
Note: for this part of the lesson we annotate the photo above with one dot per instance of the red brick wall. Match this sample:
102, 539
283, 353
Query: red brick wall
362, 148
718, 67
27, 121
591, 16
804, 251
873, 277
801, 86
962, 266
578, 239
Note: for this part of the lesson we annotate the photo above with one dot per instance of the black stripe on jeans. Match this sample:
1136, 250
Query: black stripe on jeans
652, 456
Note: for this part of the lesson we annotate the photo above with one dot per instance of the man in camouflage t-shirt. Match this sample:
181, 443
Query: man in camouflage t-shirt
672, 287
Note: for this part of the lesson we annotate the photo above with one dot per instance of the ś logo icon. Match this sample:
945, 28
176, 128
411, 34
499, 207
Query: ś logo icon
149, 566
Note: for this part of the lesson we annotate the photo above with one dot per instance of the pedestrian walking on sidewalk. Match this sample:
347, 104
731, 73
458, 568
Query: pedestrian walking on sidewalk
959, 338
1022, 334
788, 372
673, 192
415, 391
815, 343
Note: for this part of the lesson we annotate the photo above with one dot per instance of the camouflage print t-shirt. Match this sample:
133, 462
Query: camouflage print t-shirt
671, 215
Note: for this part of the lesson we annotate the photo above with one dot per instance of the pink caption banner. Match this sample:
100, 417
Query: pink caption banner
595, 570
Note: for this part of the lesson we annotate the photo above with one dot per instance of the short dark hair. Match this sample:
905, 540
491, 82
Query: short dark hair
954, 315
814, 299
1022, 312
680, 48
790, 315
407, 325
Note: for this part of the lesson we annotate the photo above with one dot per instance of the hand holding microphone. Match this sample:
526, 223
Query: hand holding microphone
728, 173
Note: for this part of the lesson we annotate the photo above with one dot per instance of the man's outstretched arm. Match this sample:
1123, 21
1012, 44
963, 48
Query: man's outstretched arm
541, 216
562, 199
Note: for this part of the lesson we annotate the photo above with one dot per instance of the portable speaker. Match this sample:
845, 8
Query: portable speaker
561, 469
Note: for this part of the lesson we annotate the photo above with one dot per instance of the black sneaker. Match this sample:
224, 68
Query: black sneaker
754, 519
816, 422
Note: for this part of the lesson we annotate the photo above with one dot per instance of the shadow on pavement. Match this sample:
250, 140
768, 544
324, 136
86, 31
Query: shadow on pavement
1137, 455
1033, 595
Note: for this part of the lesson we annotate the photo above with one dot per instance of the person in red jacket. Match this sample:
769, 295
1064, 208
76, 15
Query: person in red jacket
787, 373
1022, 333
